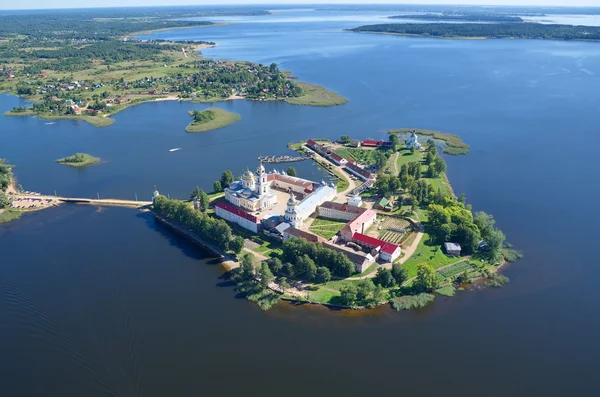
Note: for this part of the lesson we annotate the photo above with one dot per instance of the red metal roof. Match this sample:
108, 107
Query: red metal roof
370, 142
389, 248
310, 142
368, 240
384, 246
237, 211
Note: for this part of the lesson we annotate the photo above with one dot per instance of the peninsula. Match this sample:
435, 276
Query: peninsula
79, 160
87, 68
486, 31
211, 119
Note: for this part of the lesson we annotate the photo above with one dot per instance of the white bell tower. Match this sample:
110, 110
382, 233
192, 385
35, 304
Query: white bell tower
290, 212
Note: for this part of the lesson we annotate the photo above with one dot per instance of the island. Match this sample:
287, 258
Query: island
88, 66
79, 160
394, 233
486, 31
211, 119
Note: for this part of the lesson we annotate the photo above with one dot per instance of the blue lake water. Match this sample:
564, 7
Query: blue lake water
105, 297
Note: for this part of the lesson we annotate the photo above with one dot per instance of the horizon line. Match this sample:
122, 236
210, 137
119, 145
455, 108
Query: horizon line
375, 2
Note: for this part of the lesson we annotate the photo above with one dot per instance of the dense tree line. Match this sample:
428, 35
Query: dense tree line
5, 181
300, 258
215, 231
474, 17
490, 30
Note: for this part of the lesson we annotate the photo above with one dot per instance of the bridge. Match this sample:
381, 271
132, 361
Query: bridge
28, 201
107, 202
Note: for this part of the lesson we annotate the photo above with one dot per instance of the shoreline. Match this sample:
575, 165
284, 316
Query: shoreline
143, 32
476, 38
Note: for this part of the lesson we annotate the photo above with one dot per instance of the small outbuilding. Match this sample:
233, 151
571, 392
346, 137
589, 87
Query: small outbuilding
452, 249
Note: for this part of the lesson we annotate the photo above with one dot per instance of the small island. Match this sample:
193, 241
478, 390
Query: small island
534, 31
79, 160
211, 119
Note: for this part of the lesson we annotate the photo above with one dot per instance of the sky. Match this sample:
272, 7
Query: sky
39, 4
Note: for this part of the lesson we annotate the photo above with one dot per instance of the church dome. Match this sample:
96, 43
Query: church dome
292, 201
247, 192
247, 175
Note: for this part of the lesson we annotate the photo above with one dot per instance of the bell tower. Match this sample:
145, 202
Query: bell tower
261, 177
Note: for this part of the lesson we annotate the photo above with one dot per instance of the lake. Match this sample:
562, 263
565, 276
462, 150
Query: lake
102, 301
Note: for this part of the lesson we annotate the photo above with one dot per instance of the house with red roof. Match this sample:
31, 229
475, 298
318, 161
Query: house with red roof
238, 216
388, 252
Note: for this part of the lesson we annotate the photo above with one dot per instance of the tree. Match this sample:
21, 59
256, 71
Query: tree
384, 278
494, 240
217, 187
399, 273
394, 141
284, 284
202, 197
427, 279
264, 275
348, 294
323, 275
469, 237
305, 268
276, 265
363, 290
226, 178
345, 139
236, 244
247, 266
291, 171
380, 159
429, 158
4, 202
437, 167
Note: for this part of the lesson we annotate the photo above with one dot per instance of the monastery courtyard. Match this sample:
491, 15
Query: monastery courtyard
279, 208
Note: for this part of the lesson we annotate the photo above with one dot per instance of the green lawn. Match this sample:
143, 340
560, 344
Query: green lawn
326, 228
328, 292
406, 156
427, 253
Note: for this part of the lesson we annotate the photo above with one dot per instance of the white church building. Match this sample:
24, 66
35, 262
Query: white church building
413, 141
252, 192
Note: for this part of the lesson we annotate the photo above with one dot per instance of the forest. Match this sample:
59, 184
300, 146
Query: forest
492, 30
475, 17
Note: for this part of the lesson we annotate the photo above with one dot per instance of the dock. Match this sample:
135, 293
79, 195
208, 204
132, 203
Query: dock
281, 159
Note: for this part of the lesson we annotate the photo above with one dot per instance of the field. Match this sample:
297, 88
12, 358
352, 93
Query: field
389, 228
317, 96
326, 228
361, 156
429, 254
221, 118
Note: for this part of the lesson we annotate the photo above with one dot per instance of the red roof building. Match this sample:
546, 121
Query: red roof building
370, 142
